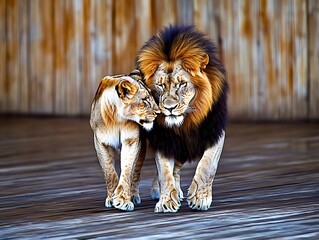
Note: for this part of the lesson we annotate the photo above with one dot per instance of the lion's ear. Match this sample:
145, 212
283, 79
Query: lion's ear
204, 62
195, 64
125, 89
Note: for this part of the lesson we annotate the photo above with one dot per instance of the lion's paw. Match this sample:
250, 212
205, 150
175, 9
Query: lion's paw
136, 198
121, 200
108, 202
155, 193
199, 197
168, 203
180, 194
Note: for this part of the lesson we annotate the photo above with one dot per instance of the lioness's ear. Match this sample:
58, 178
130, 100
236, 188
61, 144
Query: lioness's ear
204, 62
125, 89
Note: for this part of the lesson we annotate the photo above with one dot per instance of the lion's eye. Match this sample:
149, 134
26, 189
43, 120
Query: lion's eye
181, 84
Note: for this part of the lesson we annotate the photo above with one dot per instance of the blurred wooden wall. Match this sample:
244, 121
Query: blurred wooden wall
54, 52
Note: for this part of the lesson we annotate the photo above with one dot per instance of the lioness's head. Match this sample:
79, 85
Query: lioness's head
181, 67
137, 103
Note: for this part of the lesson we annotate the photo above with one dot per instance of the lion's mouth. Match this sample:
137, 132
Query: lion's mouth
174, 120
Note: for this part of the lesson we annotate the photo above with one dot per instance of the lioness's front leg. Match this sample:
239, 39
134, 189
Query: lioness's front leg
105, 155
199, 195
123, 193
169, 200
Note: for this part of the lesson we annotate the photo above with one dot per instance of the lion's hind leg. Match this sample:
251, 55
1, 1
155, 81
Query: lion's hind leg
199, 195
155, 190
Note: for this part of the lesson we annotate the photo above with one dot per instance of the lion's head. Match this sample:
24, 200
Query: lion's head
180, 66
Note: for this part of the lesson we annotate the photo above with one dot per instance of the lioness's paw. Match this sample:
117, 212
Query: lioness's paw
121, 200
168, 202
108, 202
199, 197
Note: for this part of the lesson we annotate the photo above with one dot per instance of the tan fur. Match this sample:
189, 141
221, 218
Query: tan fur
120, 103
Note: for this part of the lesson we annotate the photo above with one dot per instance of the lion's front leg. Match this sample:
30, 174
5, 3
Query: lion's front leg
177, 177
199, 195
169, 200
123, 192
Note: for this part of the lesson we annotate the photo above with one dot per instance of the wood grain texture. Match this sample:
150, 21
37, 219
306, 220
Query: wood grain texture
60, 60
24, 54
313, 40
3, 62
12, 56
53, 53
52, 186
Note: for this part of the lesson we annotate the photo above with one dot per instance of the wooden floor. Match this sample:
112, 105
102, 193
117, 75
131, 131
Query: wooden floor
51, 186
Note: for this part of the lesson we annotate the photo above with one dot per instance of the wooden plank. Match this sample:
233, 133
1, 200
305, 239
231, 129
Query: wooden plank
87, 59
143, 23
299, 21
103, 39
201, 15
268, 80
73, 21
101, 46
248, 69
60, 63
225, 35
313, 58
166, 13
284, 64
185, 10
124, 39
231, 48
41, 51
24, 57
3, 62
12, 56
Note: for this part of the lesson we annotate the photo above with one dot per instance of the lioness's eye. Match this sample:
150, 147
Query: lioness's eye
161, 86
145, 101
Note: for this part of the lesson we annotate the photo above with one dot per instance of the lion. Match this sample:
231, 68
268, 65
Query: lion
122, 106
189, 83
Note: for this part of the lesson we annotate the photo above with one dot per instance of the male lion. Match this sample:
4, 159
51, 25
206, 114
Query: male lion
122, 104
181, 67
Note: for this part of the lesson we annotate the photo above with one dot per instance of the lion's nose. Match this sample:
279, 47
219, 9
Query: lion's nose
170, 104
